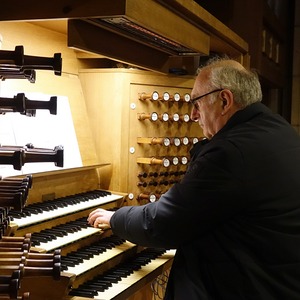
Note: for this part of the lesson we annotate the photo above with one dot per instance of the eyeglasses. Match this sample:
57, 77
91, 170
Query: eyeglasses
194, 100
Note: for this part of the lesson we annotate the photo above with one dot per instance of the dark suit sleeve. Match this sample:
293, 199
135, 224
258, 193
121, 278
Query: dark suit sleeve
207, 195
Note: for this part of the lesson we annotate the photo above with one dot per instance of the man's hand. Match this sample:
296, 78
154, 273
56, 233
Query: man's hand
100, 218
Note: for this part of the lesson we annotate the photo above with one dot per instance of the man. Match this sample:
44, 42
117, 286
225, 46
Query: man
235, 216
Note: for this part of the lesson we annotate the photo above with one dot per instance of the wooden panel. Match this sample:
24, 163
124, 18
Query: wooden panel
178, 21
107, 112
207, 22
85, 37
113, 103
147, 13
58, 9
165, 22
60, 183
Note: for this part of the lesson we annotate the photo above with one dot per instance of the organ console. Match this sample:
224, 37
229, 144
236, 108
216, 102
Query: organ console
75, 260
60, 256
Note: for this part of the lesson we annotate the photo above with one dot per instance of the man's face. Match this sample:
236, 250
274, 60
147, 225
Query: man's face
207, 111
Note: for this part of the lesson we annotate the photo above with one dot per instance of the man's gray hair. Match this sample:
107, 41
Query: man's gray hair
228, 74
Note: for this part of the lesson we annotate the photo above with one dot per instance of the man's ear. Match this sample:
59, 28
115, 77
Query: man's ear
227, 101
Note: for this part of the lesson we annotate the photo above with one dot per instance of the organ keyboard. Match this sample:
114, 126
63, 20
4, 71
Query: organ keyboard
94, 255
52, 209
62, 235
118, 283
60, 224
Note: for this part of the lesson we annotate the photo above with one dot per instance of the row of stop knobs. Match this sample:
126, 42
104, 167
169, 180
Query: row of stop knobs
168, 141
166, 96
164, 117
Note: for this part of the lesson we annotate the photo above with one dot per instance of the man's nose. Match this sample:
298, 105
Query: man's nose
194, 114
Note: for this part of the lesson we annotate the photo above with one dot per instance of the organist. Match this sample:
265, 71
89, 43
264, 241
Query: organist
235, 216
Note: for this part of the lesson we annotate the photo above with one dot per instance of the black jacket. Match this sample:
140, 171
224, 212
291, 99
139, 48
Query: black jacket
234, 218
